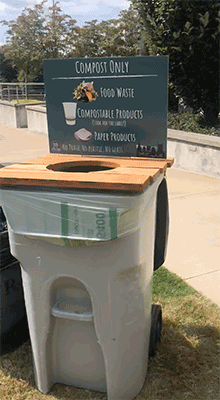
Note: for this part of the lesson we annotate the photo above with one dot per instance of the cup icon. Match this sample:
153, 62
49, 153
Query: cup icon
70, 113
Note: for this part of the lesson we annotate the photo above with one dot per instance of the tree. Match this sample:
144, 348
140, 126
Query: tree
40, 33
86, 40
35, 35
24, 43
128, 34
188, 31
7, 73
60, 30
115, 37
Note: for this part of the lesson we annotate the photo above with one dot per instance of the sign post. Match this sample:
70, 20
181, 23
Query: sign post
107, 106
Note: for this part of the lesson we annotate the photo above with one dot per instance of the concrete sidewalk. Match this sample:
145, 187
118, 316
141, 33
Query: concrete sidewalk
17, 145
194, 238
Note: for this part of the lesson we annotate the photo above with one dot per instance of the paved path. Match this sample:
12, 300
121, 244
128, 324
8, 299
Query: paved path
17, 145
194, 238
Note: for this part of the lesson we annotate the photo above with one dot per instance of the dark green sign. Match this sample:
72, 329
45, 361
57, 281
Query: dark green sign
107, 106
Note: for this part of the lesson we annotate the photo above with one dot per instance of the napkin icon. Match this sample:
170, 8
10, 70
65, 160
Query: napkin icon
83, 134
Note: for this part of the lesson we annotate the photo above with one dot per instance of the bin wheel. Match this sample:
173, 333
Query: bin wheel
156, 327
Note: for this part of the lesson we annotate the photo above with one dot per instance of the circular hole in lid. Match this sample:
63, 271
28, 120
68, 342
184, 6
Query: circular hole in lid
83, 166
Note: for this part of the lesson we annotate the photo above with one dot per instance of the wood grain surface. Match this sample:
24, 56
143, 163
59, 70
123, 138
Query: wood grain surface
125, 174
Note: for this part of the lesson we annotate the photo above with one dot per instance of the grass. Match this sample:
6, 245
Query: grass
190, 122
186, 366
25, 101
169, 286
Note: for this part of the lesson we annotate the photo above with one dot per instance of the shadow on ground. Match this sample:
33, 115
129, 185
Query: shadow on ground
186, 366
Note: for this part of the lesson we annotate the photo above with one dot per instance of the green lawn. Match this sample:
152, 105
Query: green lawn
25, 101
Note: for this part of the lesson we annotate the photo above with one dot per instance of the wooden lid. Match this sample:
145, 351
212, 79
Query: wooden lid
85, 172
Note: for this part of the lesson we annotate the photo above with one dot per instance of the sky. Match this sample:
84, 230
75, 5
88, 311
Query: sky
80, 10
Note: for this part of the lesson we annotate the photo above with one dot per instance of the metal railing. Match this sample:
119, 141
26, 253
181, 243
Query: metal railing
22, 91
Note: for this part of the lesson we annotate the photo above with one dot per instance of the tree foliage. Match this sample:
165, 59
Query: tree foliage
24, 42
8, 73
115, 37
60, 30
36, 35
187, 31
40, 33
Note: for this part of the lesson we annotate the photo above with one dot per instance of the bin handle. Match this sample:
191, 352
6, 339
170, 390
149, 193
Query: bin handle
86, 316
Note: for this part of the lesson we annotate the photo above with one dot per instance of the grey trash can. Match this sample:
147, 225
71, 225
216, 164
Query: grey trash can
87, 293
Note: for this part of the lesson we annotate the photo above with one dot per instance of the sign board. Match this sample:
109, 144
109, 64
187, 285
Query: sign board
107, 106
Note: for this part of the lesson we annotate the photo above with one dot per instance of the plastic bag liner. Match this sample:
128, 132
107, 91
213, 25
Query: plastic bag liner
69, 219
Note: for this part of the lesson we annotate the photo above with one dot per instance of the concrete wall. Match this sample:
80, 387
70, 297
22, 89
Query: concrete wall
13, 114
37, 119
194, 152
8, 114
